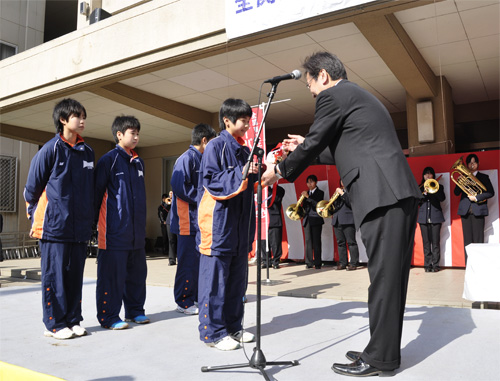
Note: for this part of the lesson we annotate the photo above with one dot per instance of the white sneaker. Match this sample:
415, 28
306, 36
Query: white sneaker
225, 344
243, 336
62, 334
193, 310
79, 330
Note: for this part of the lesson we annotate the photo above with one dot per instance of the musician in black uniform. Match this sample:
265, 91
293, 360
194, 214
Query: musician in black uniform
430, 219
473, 209
163, 210
275, 230
345, 232
312, 223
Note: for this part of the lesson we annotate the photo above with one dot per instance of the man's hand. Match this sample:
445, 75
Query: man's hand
305, 194
269, 177
292, 142
473, 198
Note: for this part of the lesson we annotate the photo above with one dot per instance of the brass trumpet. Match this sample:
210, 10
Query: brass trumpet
466, 180
325, 208
295, 211
431, 186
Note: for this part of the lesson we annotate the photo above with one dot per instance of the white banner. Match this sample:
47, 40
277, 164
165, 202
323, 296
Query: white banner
250, 16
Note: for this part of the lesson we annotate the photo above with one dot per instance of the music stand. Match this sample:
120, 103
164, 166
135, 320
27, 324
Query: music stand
258, 360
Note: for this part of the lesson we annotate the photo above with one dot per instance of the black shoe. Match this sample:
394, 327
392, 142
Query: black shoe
276, 267
172, 263
428, 270
317, 267
435, 269
309, 267
263, 266
340, 267
353, 355
358, 368
351, 267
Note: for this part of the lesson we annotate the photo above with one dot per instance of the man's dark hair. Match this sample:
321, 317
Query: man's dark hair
233, 109
324, 60
469, 158
64, 109
164, 196
312, 177
201, 131
123, 123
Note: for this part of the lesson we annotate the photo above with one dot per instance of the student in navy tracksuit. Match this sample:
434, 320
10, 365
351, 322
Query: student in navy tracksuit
120, 204
59, 196
226, 220
184, 220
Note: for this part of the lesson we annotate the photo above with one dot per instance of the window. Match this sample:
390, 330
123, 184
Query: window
8, 184
7, 50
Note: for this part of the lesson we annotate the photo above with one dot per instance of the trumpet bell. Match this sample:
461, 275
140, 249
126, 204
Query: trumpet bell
295, 212
325, 208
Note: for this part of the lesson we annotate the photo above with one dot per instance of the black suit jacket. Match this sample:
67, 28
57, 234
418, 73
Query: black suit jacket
312, 217
343, 212
353, 130
275, 220
479, 208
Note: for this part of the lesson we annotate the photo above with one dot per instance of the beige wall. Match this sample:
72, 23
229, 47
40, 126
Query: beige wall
22, 23
18, 222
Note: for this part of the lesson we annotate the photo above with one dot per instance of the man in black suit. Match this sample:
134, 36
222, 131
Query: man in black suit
353, 130
275, 230
473, 209
312, 222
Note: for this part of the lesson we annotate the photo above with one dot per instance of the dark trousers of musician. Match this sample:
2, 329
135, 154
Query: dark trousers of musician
431, 239
473, 230
347, 234
275, 236
172, 240
312, 235
388, 235
164, 235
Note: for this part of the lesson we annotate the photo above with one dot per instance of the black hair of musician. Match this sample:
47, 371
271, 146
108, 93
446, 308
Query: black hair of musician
312, 177
426, 171
324, 60
164, 196
123, 123
64, 109
470, 157
233, 109
201, 131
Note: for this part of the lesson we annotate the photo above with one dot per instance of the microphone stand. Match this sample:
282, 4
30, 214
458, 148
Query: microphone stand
258, 360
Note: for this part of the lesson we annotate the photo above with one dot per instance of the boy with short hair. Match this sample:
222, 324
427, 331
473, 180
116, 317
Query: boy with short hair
120, 204
59, 196
184, 182
226, 220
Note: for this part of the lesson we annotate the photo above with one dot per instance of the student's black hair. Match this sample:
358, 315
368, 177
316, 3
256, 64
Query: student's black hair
469, 158
123, 123
324, 60
426, 171
64, 109
312, 177
201, 131
233, 109
164, 196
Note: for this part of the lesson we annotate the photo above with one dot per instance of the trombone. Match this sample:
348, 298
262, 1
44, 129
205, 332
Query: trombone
295, 211
325, 208
466, 180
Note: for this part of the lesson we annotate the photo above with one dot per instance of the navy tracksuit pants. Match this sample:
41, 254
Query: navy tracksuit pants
222, 286
62, 265
121, 276
188, 267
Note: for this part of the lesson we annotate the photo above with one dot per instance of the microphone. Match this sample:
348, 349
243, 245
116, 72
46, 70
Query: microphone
296, 74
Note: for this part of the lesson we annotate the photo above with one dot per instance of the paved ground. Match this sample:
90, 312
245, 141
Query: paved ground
325, 317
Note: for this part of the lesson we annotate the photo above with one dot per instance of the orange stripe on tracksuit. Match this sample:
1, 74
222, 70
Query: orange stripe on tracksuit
39, 216
183, 213
101, 227
205, 222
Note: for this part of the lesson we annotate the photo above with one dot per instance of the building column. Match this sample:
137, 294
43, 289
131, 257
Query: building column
431, 127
